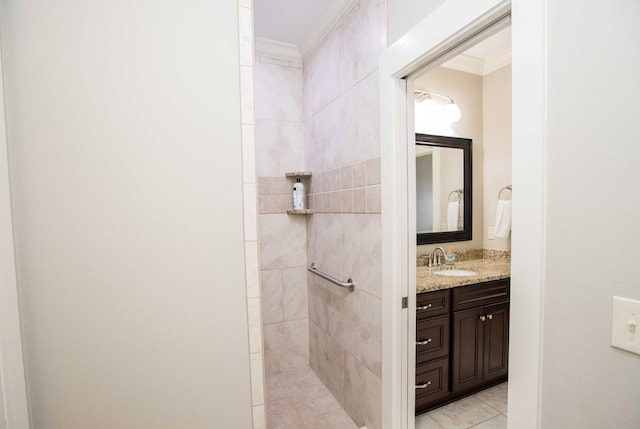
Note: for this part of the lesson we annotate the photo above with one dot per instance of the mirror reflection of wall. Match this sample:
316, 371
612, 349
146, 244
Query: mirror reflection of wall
439, 178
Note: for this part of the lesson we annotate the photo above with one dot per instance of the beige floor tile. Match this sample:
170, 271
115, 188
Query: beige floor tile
339, 419
299, 400
495, 397
425, 422
463, 414
498, 422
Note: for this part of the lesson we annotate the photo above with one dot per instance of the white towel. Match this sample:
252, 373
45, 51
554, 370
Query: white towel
453, 212
461, 215
503, 218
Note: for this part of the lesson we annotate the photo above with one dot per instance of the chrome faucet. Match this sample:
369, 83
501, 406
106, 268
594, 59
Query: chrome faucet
437, 262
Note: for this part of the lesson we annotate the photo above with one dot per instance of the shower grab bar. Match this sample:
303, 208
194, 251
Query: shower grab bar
349, 284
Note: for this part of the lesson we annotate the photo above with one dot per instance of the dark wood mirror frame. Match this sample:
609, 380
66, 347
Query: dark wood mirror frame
465, 145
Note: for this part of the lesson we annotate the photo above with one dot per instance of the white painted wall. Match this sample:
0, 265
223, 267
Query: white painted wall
402, 15
496, 130
125, 158
593, 64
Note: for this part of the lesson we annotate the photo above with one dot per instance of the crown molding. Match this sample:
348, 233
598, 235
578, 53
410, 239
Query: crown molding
325, 24
474, 65
466, 63
279, 50
497, 61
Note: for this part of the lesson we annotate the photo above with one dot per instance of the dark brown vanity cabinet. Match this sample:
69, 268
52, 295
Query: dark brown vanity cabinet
433, 325
462, 341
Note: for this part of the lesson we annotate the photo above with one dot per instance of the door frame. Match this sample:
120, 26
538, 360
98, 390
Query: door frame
448, 26
13, 389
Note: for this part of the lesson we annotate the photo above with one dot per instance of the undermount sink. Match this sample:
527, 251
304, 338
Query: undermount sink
455, 273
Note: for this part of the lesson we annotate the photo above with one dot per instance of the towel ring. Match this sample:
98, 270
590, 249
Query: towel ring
502, 190
457, 192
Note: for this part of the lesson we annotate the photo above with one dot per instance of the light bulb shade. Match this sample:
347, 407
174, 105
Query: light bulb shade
452, 112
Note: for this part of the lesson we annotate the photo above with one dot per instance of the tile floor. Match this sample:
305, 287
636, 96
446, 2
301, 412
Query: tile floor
484, 410
299, 400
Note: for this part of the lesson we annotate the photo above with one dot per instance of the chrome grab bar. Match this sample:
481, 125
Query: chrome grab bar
349, 284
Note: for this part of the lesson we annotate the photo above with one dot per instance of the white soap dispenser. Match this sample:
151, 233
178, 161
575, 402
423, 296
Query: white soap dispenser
298, 195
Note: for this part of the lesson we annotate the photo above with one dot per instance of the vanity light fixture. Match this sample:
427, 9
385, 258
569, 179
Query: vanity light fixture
450, 109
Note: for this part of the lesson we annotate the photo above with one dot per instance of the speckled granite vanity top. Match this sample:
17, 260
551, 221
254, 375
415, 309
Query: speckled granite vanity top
489, 264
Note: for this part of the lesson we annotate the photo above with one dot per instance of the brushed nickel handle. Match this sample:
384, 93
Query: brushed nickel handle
489, 316
424, 307
423, 386
423, 343
483, 318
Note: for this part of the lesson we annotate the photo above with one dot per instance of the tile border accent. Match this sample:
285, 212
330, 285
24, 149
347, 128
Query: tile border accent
250, 204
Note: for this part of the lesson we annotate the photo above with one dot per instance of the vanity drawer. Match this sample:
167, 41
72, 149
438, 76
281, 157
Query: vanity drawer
432, 338
432, 383
480, 294
431, 304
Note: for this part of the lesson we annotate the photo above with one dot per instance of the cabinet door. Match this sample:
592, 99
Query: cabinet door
496, 341
467, 349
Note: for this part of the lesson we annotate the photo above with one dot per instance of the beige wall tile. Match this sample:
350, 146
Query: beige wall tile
250, 212
362, 234
245, 21
267, 157
248, 154
259, 417
363, 394
246, 94
252, 269
328, 358
360, 174
286, 346
282, 241
346, 199
372, 196
373, 171
346, 174
255, 325
257, 379
359, 200
294, 293
272, 297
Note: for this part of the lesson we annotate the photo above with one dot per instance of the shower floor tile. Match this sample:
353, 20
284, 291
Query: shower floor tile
484, 410
299, 400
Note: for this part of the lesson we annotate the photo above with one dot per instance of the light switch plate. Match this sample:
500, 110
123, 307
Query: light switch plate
491, 233
625, 327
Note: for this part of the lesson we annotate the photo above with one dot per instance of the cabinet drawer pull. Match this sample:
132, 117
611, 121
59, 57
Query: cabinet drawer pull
423, 343
489, 316
423, 386
483, 318
424, 307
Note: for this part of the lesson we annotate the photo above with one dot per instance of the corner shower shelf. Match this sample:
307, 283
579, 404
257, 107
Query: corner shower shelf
299, 211
299, 174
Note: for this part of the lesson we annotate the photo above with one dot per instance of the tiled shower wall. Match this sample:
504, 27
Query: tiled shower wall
283, 249
342, 149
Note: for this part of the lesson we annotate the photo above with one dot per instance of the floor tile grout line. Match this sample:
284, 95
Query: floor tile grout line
484, 421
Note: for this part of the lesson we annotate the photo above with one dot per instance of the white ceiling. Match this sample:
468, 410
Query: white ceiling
302, 23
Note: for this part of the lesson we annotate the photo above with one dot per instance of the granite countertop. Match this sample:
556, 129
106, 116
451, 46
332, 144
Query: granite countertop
488, 268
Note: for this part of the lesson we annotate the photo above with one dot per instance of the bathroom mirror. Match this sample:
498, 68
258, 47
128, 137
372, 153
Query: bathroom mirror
443, 189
